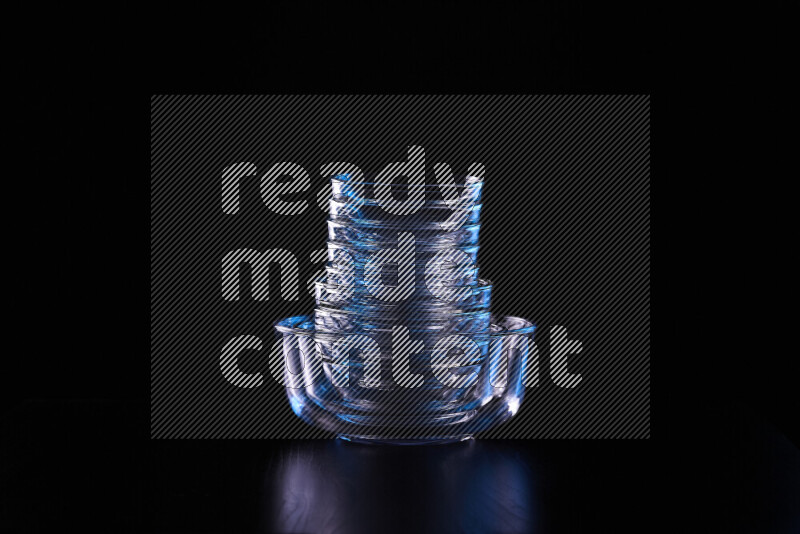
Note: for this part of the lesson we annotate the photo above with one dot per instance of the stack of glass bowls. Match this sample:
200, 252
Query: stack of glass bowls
402, 346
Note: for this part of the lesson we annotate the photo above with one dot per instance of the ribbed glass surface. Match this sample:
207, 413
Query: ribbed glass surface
402, 346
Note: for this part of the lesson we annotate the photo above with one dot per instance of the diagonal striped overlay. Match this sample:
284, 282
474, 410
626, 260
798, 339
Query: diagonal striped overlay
565, 238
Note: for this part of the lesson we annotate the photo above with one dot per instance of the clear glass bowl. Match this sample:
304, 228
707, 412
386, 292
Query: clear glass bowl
382, 361
390, 411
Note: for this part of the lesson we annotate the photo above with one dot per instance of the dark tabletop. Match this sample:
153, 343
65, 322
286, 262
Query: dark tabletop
91, 464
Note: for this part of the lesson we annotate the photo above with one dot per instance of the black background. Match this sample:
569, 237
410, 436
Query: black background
75, 411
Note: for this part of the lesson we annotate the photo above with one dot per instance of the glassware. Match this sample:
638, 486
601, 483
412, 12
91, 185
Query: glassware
402, 347
327, 389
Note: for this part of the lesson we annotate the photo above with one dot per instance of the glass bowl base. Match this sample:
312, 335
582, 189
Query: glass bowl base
367, 440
